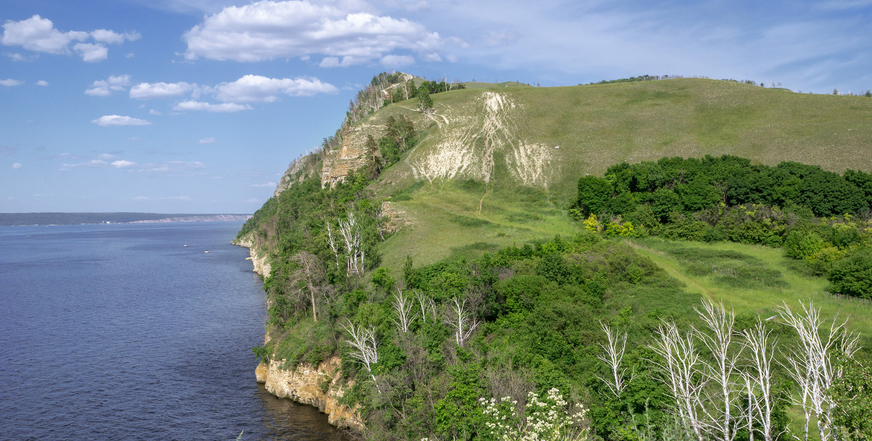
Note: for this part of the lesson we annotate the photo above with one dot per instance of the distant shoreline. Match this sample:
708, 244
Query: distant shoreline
51, 218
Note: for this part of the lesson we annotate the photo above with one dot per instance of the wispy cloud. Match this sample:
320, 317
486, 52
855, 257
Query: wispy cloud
16, 165
207, 141
11, 83
173, 166
118, 120
42, 83
145, 91
209, 107
265, 185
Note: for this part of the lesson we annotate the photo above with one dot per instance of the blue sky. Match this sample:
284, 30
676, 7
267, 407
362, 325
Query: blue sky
198, 106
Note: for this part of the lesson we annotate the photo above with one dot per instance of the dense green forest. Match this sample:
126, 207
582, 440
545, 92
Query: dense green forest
581, 337
819, 217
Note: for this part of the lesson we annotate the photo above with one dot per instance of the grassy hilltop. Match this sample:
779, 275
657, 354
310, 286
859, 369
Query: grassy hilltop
532, 144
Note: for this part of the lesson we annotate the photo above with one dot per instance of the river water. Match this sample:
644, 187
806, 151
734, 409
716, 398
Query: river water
111, 332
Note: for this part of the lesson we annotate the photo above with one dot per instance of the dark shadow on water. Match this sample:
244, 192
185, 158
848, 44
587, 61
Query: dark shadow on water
287, 420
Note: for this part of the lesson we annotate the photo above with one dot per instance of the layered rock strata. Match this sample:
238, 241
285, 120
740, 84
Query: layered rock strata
316, 386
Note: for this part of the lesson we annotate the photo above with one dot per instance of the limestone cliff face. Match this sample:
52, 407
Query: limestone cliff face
351, 156
259, 258
313, 385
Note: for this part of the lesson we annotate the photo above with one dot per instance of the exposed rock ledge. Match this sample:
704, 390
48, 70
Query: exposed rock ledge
259, 258
304, 385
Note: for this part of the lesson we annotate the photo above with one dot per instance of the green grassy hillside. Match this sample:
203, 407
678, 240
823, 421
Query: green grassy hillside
509, 156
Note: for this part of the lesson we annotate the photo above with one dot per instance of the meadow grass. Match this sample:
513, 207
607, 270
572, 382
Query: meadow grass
721, 272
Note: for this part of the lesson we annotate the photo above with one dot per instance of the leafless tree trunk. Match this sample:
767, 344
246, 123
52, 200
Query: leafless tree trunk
462, 320
719, 341
403, 307
811, 366
752, 404
363, 341
616, 344
333, 244
351, 235
760, 346
427, 306
682, 368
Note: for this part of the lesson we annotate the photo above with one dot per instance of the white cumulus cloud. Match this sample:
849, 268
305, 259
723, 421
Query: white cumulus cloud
145, 91
256, 88
92, 52
207, 141
16, 165
10, 82
118, 120
42, 83
107, 86
121, 163
209, 107
288, 29
38, 34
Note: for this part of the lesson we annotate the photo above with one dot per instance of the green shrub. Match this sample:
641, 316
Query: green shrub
803, 244
852, 275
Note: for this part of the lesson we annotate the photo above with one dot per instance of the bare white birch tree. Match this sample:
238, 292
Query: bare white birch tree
428, 307
616, 344
683, 371
760, 346
404, 309
366, 347
332, 243
719, 341
462, 320
810, 365
351, 235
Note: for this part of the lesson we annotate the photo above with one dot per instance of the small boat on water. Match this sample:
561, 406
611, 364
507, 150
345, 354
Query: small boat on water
207, 251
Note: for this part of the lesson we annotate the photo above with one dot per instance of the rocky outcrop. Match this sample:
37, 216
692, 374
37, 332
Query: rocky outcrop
259, 258
317, 386
351, 156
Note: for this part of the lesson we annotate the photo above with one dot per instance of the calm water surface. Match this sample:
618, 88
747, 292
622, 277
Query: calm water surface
111, 332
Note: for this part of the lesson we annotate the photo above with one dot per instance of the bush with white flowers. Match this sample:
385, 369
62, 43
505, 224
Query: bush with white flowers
546, 419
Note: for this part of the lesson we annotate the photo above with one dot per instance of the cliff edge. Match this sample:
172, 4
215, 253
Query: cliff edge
316, 386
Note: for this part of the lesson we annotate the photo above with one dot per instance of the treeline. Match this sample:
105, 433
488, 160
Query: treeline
632, 79
818, 216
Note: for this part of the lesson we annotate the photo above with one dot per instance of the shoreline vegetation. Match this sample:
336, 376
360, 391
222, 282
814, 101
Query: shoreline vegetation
58, 218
